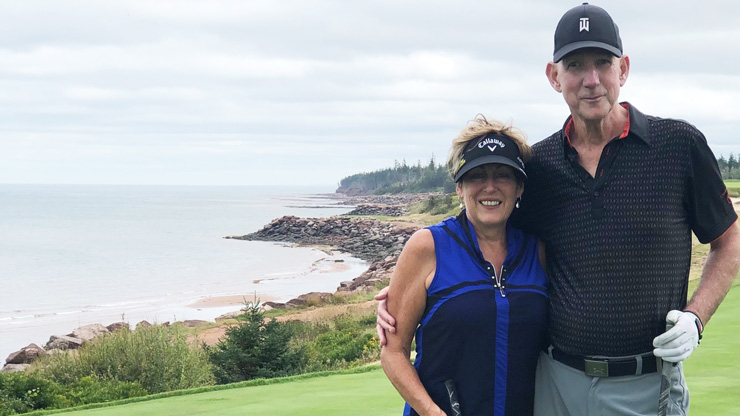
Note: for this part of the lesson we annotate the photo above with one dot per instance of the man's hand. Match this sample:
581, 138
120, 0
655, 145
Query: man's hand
677, 343
385, 321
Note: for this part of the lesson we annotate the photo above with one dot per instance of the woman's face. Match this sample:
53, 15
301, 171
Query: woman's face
489, 193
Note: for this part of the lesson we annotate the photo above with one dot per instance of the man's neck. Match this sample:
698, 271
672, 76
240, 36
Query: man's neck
597, 133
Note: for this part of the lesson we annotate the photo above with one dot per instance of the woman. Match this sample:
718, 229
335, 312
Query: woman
472, 289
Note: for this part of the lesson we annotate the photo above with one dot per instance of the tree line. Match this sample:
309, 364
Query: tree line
401, 178
433, 177
730, 167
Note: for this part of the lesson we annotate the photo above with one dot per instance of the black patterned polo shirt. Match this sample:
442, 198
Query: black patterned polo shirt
619, 244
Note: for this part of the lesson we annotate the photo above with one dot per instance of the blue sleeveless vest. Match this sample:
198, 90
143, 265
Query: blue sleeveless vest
480, 336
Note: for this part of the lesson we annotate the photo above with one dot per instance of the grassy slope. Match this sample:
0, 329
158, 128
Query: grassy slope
712, 374
733, 186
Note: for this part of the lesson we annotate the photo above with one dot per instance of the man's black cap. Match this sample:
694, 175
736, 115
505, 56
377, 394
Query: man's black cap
586, 26
491, 148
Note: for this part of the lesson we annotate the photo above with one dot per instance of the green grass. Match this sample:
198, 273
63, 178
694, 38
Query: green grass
733, 187
712, 374
712, 371
364, 393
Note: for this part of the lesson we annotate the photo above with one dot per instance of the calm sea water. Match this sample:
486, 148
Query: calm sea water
72, 255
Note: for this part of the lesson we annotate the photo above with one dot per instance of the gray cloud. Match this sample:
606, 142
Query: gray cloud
306, 92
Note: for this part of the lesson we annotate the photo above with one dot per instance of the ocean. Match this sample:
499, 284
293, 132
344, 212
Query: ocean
72, 255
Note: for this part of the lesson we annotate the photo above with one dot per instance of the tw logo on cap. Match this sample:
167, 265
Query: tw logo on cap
583, 24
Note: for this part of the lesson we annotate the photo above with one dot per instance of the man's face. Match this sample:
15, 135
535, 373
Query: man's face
589, 80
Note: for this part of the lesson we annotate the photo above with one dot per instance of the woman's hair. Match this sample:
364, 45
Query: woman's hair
476, 129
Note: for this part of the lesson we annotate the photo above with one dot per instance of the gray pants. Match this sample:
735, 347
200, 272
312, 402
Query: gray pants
564, 391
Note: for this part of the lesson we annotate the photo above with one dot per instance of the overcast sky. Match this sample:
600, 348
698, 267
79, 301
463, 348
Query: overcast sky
306, 92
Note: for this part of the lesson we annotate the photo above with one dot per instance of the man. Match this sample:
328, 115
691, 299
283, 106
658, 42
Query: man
615, 195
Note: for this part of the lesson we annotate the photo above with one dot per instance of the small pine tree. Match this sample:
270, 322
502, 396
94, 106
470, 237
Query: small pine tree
255, 348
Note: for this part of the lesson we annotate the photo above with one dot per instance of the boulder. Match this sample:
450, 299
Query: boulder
296, 303
63, 342
143, 324
315, 298
88, 333
228, 315
116, 326
192, 323
14, 368
274, 305
25, 355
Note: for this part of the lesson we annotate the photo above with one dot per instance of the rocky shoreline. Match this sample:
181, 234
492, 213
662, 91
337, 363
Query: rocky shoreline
378, 242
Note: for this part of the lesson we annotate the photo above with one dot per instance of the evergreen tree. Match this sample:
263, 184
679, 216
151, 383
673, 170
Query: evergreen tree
254, 348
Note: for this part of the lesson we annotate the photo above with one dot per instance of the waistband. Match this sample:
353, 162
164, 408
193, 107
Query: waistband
633, 365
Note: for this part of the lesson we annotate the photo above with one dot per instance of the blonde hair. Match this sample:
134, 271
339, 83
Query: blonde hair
476, 129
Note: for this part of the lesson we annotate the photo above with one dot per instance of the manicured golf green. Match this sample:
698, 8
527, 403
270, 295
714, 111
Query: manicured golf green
713, 370
365, 394
712, 373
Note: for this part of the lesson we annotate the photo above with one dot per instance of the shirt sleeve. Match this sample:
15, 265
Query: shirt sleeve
708, 203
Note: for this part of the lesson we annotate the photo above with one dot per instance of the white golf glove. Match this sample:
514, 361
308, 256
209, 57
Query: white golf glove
681, 337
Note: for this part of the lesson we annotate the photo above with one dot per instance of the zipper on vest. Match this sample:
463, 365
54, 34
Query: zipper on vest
499, 282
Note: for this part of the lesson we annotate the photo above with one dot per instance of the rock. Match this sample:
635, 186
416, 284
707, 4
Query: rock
143, 324
374, 241
192, 323
14, 368
315, 298
63, 342
229, 315
366, 238
379, 209
25, 355
295, 303
117, 326
88, 333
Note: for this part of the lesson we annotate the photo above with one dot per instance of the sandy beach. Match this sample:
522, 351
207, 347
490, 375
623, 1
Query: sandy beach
233, 300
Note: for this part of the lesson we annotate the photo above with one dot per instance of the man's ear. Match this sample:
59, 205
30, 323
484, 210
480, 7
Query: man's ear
552, 75
624, 69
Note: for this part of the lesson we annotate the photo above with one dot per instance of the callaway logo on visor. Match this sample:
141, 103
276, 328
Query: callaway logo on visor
491, 148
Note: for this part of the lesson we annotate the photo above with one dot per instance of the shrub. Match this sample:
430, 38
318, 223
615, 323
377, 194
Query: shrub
254, 348
343, 341
24, 392
90, 390
344, 346
157, 358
